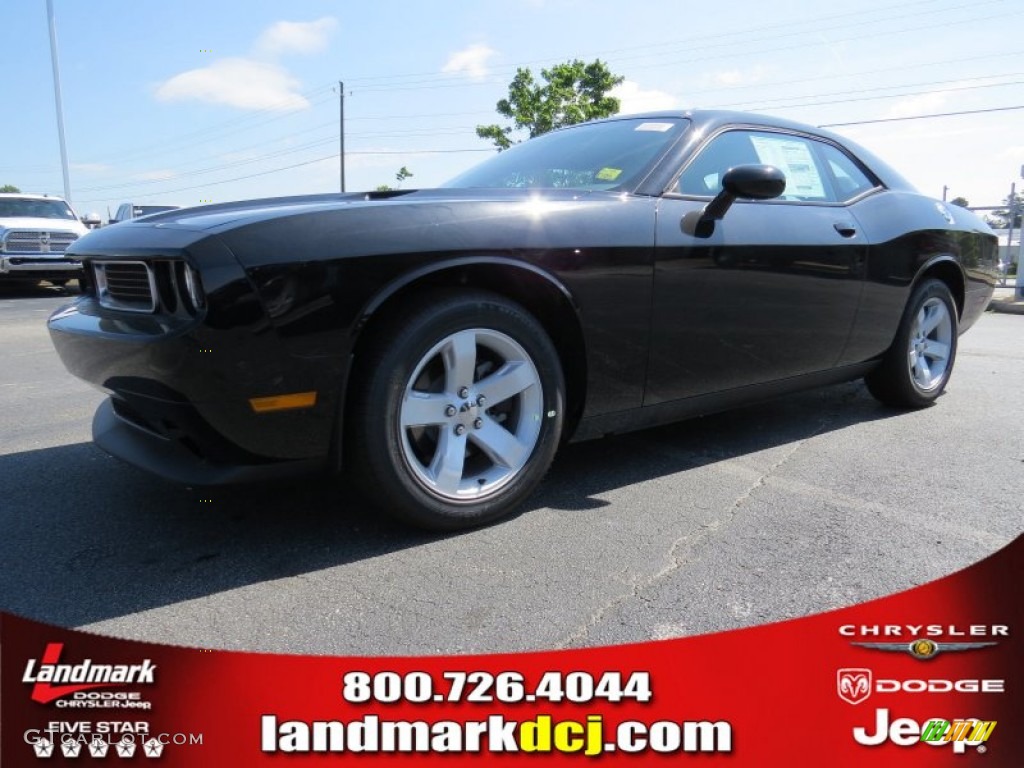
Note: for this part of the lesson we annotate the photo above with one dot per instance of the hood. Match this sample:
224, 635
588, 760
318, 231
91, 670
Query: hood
229, 215
268, 231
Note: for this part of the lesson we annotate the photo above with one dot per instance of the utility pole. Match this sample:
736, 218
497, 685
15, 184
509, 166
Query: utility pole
1013, 217
945, 189
341, 123
1019, 293
56, 96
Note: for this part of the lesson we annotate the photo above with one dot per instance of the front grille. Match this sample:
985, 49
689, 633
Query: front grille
167, 286
126, 285
35, 241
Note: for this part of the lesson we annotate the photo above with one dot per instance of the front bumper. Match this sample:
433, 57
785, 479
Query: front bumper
179, 381
183, 460
14, 265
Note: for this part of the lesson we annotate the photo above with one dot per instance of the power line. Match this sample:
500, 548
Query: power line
299, 165
923, 117
698, 51
846, 100
790, 25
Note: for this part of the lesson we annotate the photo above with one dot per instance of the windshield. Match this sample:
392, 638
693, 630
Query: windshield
606, 155
30, 208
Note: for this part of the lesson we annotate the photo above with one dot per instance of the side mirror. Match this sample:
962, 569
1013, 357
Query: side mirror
751, 182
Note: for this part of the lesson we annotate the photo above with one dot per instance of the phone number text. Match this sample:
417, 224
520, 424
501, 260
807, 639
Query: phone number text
485, 687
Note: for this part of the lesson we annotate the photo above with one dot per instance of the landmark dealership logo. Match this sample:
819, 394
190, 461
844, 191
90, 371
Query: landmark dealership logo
51, 680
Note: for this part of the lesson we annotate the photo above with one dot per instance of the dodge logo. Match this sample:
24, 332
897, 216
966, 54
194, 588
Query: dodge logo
853, 685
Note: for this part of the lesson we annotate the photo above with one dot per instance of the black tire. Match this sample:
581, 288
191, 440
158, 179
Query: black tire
444, 475
905, 378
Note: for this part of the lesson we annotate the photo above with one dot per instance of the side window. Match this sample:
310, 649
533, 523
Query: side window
849, 180
703, 176
806, 180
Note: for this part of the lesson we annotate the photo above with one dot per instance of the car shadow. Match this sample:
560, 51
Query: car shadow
88, 538
35, 289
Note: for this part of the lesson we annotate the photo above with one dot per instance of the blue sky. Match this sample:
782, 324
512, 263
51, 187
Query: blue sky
181, 102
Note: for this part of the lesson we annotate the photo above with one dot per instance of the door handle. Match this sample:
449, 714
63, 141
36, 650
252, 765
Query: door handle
845, 228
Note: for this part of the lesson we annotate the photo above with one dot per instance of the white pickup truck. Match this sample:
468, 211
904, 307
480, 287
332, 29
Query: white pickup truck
35, 230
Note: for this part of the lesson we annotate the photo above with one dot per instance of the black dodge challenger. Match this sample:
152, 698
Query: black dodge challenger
441, 344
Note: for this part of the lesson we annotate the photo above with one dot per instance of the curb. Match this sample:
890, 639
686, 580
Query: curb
1009, 306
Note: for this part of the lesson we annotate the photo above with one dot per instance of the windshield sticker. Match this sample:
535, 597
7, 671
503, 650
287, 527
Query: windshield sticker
609, 174
659, 127
793, 158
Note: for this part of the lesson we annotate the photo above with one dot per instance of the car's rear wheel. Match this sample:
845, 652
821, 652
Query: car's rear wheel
457, 411
917, 367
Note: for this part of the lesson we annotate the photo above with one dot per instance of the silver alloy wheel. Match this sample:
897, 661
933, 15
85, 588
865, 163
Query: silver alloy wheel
930, 343
471, 415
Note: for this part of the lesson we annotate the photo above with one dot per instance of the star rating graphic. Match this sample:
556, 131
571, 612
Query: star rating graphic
153, 748
43, 748
98, 747
125, 748
71, 748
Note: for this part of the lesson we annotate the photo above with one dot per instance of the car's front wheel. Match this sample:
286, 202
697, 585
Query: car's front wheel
457, 410
917, 367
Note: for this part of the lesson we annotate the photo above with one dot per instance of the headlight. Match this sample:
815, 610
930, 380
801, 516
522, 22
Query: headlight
190, 287
194, 288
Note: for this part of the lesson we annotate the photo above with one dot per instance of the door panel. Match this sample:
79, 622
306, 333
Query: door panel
772, 293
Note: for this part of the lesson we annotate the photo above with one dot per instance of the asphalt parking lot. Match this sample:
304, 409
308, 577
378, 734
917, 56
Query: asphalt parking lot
796, 506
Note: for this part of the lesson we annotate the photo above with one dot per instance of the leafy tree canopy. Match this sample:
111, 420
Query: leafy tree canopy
403, 174
1016, 202
961, 201
570, 93
9, 188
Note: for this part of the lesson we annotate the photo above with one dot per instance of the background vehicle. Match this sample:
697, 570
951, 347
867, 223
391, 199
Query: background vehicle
442, 343
35, 232
129, 211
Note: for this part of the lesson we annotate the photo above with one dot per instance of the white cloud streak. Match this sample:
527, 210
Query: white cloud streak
633, 98
296, 36
257, 81
237, 82
471, 61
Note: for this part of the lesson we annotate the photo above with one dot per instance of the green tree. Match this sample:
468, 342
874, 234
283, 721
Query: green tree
961, 201
571, 93
9, 188
403, 174
1016, 203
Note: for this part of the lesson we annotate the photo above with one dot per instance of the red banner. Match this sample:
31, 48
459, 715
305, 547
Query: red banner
928, 677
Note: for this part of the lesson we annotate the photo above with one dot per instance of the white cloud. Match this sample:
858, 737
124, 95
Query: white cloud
917, 105
739, 77
90, 167
164, 174
256, 81
471, 61
237, 82
633, 98
296, 36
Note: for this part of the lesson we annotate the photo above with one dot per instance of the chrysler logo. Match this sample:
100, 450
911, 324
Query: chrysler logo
853, 685
923, 648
